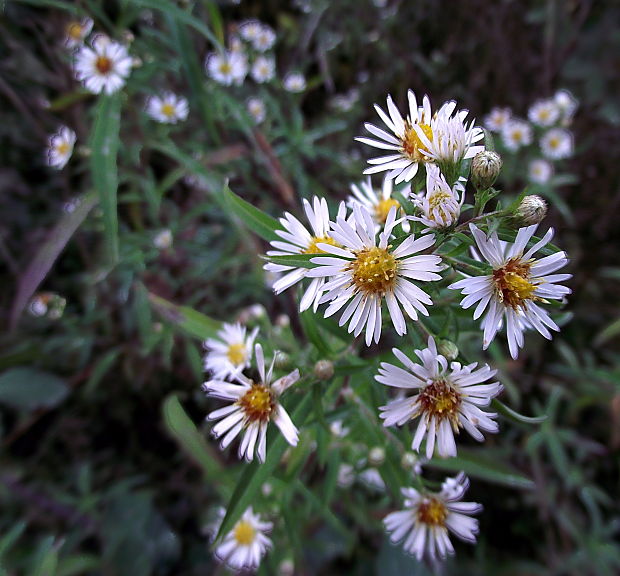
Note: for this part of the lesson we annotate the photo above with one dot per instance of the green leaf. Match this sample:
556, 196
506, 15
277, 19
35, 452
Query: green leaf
484, 468
46, 558
8, 539
256, 220
189, 320
104, 144
183, 430
78, 565
257, 474
515, 416
296, 261
313, 333
28, 389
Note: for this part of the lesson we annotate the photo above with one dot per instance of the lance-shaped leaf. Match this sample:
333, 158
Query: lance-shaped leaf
187, 319
515, 416
255, 219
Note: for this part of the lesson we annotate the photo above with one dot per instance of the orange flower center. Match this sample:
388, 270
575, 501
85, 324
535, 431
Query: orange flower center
411, 142
103, 65
512, 283
432, 512
257, 403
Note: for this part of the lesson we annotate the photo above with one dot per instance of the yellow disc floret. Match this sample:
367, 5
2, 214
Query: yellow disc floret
432, 512
383, 207
167, 109
103, 64
74, 30
257, 403
236, 353
374, 270
411, 142
442, 401
312, 247
244, 533
512, 283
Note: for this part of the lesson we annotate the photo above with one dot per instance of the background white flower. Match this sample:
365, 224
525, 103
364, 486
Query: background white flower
516, 134
377, 202
60, 148
256, 109
544, 113
557, 144
263, 69
231, 352
77, 32
168, 108
540, 171
294, 82
497, 119
227, 68
103, 67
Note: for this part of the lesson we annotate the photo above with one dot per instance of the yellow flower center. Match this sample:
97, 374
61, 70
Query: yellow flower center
244, 533
312, 247
517, 135
74, 30
62, 148
412, 143
167, 109
257, 403
236, 354
437, 199
432, 512
383, 207
103, 64
512, 283
225, 68
544, 114
440, 400
374, 270
554, 143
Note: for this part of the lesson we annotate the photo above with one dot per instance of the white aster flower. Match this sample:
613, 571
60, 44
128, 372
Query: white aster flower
256, 109
294, 82
377, 202
163, 239
253, 406
441, 205
540, 171
364, 274
103, 67
168, 108
263, 69
231, 352
497, 119
249, 30
544, 113
515, 287
428, 517
447, 399
296, 239
557, 144
405, 145
227, 68
77, 32
567, 104
265, 39
516, 134
244, 546
60, 148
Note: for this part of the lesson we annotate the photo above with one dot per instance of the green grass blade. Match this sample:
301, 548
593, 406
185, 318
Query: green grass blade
256, 220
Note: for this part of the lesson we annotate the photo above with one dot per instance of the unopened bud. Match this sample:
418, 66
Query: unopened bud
376, 456
286, 568
282, 359
532, 210
448, 349
324, 370
485, 168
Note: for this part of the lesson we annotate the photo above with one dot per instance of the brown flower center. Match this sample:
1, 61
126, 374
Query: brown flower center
432, 512
103, 65
512, 283
257, 403
441, 400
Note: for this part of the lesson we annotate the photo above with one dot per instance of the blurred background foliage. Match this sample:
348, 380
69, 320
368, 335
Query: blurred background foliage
101, 470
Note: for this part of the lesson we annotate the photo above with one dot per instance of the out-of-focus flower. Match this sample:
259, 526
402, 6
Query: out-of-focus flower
346, 475
557, 144
540, 171
47, 304
249, 30
294, 82
497, 119
60, 148
448, 398
544, 113
104, 66
252, 406
77, 32
516, 286
231, 352
227, 68
163, 239
440, 206
168, 108
428, 517
256, 109
263, 69
567, 104
265, 39
516, 134
377, 202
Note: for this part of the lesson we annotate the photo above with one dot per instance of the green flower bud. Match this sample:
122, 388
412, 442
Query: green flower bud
532, 210
485, 168
448, 349
324, 370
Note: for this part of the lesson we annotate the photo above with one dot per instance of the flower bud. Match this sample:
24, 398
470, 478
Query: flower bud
485, 168
282, 359
376, 456
448, 349
532, 210
324, 370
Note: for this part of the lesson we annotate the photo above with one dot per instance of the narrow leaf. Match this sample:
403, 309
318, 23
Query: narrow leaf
255, 219
296, 261
28, 389
515, 416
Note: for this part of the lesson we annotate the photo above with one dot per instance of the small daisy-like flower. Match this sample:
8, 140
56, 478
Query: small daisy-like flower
265, 39
167, 109
557, 144
378, 203
497, 119
244, 546
256, 109
364, 274
104, 67
428, 517
441, 205
163, 239
253, 406
263, 69
567, 104
294, 82
227, 68
448, 398
60, 148
231, 352
249, 30
298, 240
77, 32
516, 286
516, 134
544, 113
540, 171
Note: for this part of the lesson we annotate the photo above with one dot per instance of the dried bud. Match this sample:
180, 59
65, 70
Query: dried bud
485, 168
532, 210
324, 370
376, 456
448, 349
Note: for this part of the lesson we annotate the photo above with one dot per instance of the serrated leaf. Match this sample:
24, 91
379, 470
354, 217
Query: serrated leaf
514, 415
256, 220
28, 389
484, 468
189, 320
257, 474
